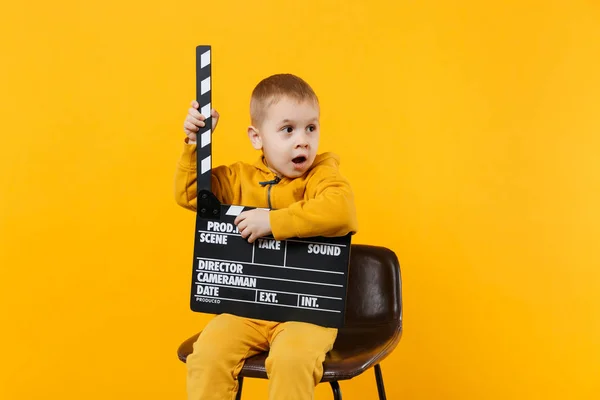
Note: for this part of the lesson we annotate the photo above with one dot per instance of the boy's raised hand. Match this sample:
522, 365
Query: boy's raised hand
253, 224
194, 121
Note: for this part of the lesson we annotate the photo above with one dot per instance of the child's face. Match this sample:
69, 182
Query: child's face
288, 136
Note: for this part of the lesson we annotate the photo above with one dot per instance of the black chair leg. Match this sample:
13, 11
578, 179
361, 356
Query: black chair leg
379, 379
238, 396
337, 392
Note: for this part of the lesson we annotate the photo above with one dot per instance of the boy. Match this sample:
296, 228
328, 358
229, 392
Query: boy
307, 197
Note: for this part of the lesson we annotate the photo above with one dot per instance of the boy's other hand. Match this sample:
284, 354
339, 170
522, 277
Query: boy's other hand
253, 224
194, 121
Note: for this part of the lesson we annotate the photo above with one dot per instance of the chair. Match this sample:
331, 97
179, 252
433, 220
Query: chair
373, 322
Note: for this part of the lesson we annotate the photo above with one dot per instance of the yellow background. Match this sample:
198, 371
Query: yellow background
469, 129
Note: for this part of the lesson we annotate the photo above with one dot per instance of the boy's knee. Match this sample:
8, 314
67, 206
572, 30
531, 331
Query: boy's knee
218, 331
295, 363
206, 355
208, 349
215, 343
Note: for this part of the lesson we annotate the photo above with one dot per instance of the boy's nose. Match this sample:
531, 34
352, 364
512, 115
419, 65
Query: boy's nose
302, 142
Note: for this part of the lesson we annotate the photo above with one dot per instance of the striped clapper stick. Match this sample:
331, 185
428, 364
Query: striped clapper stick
208, 205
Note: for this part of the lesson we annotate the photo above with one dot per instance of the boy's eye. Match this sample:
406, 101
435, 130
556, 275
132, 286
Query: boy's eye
311, 128
287, 129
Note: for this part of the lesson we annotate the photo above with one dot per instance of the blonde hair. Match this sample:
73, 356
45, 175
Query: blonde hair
271, 89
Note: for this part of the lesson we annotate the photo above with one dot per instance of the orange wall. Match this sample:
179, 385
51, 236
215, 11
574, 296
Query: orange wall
470, 131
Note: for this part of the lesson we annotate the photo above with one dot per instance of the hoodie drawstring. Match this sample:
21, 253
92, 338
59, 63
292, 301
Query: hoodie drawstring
270, 183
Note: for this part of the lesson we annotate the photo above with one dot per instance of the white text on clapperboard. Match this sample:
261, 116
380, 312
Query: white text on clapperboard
213, 275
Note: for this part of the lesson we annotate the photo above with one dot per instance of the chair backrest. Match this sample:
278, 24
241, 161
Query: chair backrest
374, 295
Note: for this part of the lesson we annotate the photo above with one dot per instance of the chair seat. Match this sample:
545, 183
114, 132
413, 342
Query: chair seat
355, 350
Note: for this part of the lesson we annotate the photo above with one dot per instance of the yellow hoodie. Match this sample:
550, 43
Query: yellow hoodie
320, 203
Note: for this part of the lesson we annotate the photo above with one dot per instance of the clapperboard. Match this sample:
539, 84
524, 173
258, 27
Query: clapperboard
288, 280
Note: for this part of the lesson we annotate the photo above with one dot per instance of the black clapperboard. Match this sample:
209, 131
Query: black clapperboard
288, 280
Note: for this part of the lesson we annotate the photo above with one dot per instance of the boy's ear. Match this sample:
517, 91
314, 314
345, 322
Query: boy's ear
254, 138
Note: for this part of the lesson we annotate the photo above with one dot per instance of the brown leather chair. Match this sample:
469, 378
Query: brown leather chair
373, 322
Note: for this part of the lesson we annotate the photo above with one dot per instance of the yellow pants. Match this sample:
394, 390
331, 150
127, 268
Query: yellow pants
294, 365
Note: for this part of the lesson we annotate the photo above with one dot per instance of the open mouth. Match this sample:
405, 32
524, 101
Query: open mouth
299, 160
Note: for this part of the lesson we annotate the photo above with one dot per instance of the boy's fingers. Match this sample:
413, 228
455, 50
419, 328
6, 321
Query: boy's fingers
215, 118
190, 127
195, 121
243, 225
240, 218
196, 114
195, 104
